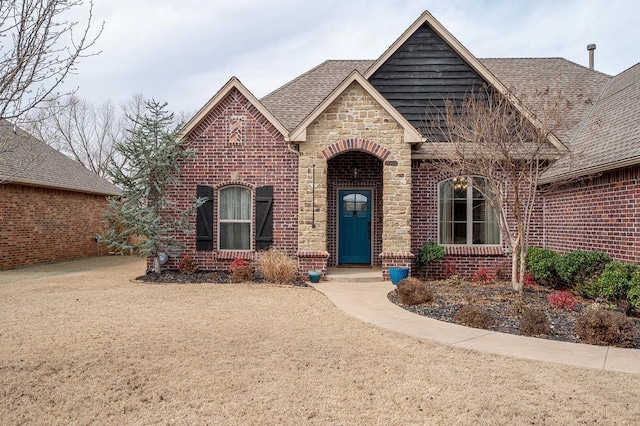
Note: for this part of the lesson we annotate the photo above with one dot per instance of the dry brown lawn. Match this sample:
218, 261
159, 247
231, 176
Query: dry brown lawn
92, 347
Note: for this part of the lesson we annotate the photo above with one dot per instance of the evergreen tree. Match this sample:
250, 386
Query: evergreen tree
142, 219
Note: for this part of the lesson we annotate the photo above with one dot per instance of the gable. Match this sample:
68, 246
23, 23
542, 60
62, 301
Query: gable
233, 91
422, 73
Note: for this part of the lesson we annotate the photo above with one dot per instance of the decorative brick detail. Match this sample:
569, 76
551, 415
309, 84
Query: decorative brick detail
235, 130
41, 225
232, 255
399, 259
474, 250
352, 144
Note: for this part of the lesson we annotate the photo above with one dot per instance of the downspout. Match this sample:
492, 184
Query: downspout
313, 196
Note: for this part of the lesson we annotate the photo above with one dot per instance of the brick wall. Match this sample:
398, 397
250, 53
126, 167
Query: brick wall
600, 213
40, 225
424, 225
236, 144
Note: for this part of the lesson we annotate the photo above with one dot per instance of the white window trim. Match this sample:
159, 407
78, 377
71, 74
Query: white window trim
469, 223
249, 221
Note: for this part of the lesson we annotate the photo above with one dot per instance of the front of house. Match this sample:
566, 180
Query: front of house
334, 169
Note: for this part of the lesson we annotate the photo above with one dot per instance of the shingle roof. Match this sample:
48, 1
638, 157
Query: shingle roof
602, 128
27, 160
294, 101
609, 137
579, 85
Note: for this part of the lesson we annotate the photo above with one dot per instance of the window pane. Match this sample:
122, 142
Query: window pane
235, 236
456, 221
235, 203
353, 201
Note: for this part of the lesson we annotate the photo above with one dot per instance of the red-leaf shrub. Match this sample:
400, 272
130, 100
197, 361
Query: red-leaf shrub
188, 266
562, 300
449, 270
238, 263
529, 280
484, 275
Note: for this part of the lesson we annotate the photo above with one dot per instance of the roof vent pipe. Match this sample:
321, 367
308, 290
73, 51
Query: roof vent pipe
591, 48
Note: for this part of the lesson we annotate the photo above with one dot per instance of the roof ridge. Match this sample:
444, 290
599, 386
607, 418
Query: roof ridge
550, 57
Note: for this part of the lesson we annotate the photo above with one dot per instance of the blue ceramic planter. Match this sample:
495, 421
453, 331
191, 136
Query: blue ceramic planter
398, 274
314, 276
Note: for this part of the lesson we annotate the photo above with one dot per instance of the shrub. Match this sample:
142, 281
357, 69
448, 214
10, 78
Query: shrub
576, 266
529, 280
534, 323
541, 264
562, 300
240, 274
633, 295
429, 252
473, 317
614, 283
484, 275
449, 270
238, 263
607, 328
188, 265
412, 291
277, 267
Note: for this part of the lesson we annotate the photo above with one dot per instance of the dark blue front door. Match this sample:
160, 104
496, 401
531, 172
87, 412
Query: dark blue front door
354, 223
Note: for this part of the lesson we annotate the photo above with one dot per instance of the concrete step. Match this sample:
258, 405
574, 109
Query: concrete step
354, 275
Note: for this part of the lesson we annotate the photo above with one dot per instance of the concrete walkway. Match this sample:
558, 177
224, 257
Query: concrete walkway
368, 302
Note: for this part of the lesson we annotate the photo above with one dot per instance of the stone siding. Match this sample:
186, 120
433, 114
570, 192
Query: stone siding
355, 116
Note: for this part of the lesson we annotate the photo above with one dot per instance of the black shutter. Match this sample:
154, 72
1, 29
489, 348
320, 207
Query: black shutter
204, 220
264, 217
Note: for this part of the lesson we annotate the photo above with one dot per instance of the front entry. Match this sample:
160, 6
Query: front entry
354, 226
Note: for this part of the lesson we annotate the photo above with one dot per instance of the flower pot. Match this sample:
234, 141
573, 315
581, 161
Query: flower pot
314, 276
398, 273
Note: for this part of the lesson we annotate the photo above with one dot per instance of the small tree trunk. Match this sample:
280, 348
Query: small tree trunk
156, 264
514, 271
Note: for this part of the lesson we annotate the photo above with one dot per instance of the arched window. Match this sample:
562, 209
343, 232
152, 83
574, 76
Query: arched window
465, 217
234, 218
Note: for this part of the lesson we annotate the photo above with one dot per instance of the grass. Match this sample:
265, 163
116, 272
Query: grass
94, 347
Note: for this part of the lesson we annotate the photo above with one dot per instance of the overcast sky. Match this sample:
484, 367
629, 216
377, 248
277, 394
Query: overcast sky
183, 51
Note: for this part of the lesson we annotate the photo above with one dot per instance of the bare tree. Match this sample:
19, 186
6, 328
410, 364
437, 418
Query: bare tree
509, 147
40, 46
83, 131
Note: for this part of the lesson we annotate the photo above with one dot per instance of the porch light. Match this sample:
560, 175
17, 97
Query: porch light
355, 171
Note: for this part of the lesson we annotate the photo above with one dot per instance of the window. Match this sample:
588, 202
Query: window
466, 218
234, 218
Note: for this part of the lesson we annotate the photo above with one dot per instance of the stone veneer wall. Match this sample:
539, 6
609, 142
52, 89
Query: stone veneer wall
355, 115
42, 225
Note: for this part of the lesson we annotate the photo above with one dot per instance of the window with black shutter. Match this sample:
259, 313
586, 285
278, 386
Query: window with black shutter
204, 219
264, 217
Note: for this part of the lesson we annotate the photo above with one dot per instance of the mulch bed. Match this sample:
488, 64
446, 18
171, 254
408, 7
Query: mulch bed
503, 305
205, 277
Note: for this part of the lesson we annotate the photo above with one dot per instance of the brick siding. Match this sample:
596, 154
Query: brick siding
249, 152
600, 213
40, 225
424, 227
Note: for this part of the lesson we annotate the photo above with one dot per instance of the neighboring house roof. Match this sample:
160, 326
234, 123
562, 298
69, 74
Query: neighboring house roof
29, 161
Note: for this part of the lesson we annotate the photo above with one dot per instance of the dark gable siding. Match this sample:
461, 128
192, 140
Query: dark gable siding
421, 74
